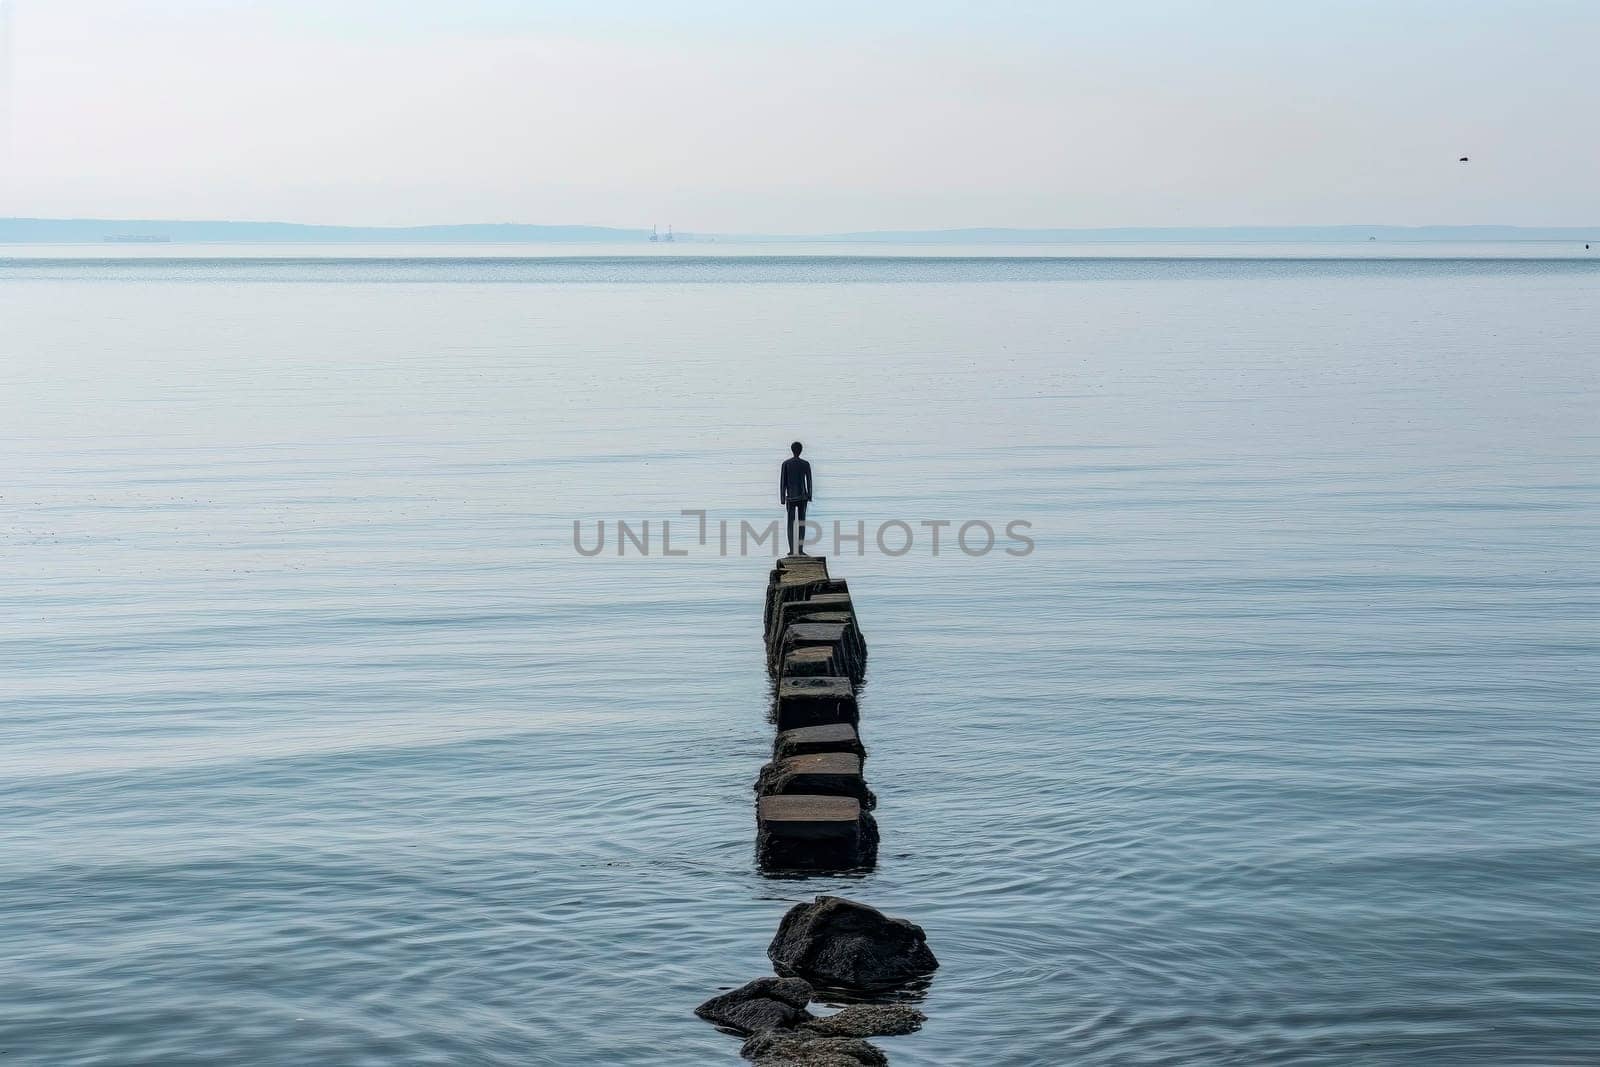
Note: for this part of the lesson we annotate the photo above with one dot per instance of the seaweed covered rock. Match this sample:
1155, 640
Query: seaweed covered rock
780, 1048
761, 1005
837, 942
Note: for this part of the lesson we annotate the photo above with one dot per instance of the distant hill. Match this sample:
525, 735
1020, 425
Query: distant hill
94, 231
1203, 234
81, 231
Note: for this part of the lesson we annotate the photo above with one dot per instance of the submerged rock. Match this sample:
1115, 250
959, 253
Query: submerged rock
868, 1020
761, 1005
780, 1049
837, 942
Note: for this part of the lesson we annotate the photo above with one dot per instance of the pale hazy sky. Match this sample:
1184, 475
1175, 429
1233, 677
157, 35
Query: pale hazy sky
737, 115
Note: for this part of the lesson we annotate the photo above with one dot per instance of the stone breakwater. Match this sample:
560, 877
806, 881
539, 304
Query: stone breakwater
813, 807
813, 813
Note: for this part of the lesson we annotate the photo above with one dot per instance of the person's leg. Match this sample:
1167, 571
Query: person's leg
800, 516
789, 510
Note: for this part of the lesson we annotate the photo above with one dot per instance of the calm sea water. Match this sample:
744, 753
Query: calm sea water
320, 744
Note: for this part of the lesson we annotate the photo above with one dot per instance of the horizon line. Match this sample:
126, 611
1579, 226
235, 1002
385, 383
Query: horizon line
63, 229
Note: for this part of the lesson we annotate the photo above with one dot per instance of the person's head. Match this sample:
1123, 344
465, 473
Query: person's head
795, 448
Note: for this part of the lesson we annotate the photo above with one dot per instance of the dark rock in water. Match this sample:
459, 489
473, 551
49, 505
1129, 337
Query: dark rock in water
837, 942
868, 1020
808, 740
827, 774
765, 1004
798, 1049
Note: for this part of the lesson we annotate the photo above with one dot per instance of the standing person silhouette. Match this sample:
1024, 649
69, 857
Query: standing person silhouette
794, 492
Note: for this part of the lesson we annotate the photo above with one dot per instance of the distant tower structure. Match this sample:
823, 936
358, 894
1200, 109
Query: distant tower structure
668, 237
653, 235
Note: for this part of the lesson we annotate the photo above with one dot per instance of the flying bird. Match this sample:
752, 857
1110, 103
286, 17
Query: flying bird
1463, 159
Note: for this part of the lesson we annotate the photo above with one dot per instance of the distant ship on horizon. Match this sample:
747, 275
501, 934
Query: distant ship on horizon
667, 237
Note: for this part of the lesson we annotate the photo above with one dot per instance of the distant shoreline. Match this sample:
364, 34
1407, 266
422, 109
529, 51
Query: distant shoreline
180, 231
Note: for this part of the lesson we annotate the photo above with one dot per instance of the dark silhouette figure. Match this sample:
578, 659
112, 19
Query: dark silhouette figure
794, 493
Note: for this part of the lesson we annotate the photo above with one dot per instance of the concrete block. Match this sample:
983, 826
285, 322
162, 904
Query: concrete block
795, 578
801, 564
833, 737
815, 702
800, 832
801, 585
810, 662
828, 774
839, 636
822, 607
